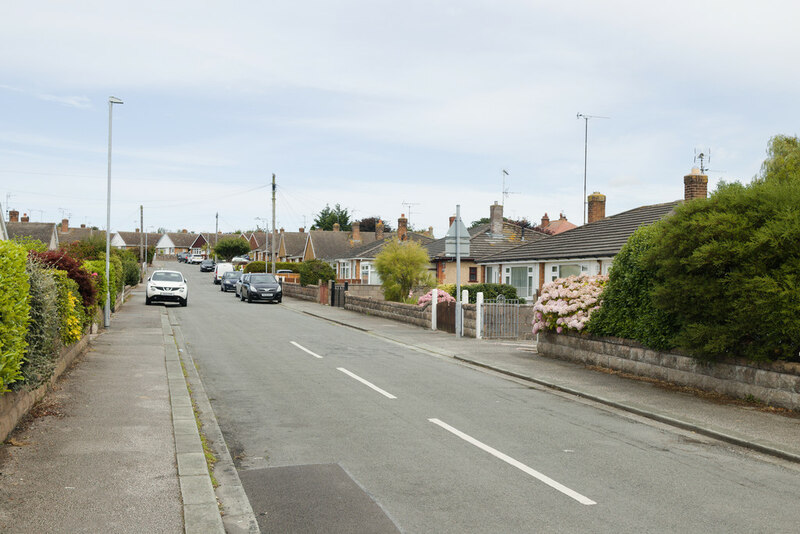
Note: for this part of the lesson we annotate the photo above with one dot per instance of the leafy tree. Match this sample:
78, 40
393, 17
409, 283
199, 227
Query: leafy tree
326, 218
482, 220
86, 249
401, 266
230, 247
368, 224
314, 271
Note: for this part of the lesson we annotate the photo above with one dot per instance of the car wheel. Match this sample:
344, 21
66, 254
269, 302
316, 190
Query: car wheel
220, 288
147, 300
241, 297
249, 298
184, 302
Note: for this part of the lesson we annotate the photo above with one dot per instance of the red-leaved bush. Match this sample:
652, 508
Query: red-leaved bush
58, 259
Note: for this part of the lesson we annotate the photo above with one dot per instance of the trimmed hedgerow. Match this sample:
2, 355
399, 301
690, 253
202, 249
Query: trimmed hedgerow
44, 332
97, 269
14, 312
62, 261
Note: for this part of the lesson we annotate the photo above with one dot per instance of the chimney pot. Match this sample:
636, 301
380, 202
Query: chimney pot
597, 207
25, 218
83, 226
302, 230
496, 218
379, 230
356, 231
13, 216
65, 225
402, 227
451, 220
545, 220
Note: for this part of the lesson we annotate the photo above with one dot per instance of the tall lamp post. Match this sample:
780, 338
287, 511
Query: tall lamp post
586, 153
107, 314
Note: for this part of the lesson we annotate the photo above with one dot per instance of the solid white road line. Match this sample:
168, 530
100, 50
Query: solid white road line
299, 346
366, 383
532, 472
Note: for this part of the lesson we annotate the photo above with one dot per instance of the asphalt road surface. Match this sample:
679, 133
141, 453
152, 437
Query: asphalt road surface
335, 430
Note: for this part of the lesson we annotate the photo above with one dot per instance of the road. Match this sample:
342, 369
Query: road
336, 430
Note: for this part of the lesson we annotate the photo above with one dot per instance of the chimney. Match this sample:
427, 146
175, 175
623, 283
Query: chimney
545, 220
13, 216
336, 227
379, 230
83, 226
356, 231
695, 185
496, 218
451, 220
597, 207
137, 230
430, 231
301, 230
281, 230
25, 218
64, 225
184, 231
402, 227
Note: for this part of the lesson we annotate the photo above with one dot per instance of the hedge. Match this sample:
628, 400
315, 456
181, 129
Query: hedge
71, 314
259, 266
14, 311
490, 291
44, 336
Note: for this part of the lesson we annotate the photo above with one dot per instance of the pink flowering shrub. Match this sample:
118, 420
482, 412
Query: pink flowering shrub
567, 303
443, 296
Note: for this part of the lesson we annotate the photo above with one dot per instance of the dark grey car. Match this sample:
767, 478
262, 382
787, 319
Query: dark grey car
229, 279
260, 286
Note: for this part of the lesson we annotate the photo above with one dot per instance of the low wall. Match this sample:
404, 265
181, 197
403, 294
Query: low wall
365, 290
406, 313
301, 292
774, 383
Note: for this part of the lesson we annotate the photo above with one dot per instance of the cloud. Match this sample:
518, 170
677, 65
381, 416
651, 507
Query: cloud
80, 102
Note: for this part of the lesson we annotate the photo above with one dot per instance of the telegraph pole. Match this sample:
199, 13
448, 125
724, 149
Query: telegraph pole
142, 257
273, 224
216, 236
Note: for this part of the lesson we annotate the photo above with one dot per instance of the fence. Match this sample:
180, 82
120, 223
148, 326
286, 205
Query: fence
500, 318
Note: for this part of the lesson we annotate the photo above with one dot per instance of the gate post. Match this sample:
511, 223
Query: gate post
478, 314
465, 299
434, 302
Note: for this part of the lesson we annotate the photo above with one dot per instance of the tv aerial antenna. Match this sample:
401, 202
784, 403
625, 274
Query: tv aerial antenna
704, 157
65, 213
504, 193
409, 205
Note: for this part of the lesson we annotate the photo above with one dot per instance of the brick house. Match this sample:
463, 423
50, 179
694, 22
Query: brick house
172, 243
485, 240
67, 234
18, 227
133, 240
292, 245
587, 249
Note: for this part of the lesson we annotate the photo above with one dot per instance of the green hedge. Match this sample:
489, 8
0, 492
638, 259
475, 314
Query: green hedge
44, 332
14, 311
71, 313
259, 266
98, 267
314, 271
490, 291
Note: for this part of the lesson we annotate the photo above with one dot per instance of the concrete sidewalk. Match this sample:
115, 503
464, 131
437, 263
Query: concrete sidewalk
769, 433
104, 459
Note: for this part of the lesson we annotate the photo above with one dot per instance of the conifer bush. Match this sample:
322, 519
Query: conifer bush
44, 332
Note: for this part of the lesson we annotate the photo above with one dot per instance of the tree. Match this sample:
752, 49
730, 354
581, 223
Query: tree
401, 266
314, 271
231, 246
368, 224
326, 218
482, 220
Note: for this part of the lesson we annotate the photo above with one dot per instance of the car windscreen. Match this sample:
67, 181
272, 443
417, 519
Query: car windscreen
231, 274
262, 279
167, 277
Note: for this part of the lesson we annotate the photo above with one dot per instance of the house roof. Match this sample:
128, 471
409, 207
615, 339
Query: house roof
560, 225
132, 238
78, 234
483, 243
370, 250
294, 243
332, 245
182, 240
36, 230
599, 239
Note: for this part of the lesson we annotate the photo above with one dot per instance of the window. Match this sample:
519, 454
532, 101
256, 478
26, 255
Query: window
473, 274
519, 279
365, 273
568, 269
344, 270
490, 275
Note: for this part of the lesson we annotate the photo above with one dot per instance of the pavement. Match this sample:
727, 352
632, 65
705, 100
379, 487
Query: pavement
115, 447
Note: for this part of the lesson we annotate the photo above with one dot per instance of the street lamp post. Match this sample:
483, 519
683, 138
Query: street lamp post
107, 314
586, 153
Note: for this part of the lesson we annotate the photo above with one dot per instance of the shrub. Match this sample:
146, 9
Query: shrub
255, 267
490, 291
628, 309
71, 314
91, 248
314, 271
567, 303
14, 312
44, 336
401, 266
60, 260
231, 247
30, 243
441, 296
98, 270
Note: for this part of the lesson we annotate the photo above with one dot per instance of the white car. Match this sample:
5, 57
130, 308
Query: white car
195, 258
166, 286
220, 269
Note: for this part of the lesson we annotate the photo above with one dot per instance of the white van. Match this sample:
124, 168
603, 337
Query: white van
221, 269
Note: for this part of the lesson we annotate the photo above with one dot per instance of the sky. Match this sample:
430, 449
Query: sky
385, 108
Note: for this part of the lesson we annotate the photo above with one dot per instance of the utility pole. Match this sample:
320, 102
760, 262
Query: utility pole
458, 271
216, 236
585, 153
142, 257
273, 224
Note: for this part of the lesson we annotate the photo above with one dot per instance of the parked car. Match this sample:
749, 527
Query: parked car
166, 286
195, 258
228, 281
261, 286
206, 266
240, 259
183, 257
221, 269
238, 287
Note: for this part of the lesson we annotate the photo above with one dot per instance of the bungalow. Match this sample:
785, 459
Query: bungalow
172, 243
133, 240
47, 233
292, 245
587, 249
70, 235
485, 240
356, 266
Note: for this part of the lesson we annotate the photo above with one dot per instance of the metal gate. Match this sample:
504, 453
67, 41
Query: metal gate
446, 316
500, 318
337, 295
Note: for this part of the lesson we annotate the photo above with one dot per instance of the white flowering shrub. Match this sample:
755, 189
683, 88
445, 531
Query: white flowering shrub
442, 296
567, 303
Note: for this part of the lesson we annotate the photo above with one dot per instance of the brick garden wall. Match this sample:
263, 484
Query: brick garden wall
406, 313
300, 292
775, 383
